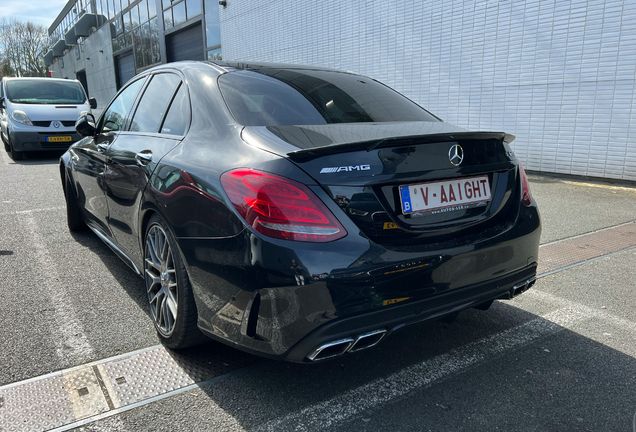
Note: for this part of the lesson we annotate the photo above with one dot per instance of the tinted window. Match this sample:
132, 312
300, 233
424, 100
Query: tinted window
115, 116
178, 115
272, 97
154, 103
45, 91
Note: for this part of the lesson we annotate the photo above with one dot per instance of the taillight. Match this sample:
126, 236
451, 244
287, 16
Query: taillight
279, 207
526, 195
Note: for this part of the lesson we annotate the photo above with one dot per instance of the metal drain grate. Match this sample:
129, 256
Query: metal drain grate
66, 397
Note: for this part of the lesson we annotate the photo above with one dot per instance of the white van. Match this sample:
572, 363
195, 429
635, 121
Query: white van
39, 113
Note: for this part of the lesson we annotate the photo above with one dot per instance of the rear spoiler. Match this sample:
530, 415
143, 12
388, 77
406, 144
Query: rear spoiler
313, 153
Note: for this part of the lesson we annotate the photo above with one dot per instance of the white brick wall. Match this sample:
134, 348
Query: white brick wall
560, 75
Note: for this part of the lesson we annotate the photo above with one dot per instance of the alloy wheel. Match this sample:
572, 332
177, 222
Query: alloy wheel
161, 280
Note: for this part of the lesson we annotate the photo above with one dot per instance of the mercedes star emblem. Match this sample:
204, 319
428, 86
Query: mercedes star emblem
456, 155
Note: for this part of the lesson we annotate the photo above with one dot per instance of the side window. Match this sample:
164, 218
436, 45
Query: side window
115, 116
178, 116
154, 103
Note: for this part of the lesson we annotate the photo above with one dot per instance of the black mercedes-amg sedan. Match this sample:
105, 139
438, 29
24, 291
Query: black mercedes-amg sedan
296, 212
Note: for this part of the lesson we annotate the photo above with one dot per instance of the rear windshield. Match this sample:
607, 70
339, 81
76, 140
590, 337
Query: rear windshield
275, 97
43, 91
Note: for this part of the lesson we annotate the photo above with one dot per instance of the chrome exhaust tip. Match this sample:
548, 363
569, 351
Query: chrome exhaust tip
367, 340
522, 287
341, 346
331, 349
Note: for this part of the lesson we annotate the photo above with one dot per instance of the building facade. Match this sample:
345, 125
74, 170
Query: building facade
560, 75
104, 43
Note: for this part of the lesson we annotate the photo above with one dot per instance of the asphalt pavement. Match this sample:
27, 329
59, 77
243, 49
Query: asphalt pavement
560, 357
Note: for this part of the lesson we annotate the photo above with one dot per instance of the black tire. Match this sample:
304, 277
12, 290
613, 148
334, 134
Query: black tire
74, 218
7, 148
159, 273
15, 154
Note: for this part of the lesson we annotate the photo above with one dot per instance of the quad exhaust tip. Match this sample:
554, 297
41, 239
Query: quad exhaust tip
522, 287
341, 346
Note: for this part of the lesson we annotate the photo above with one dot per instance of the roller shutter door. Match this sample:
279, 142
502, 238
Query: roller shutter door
186, 44
125, 69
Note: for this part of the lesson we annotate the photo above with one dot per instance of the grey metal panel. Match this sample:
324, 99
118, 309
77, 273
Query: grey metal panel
58, 48
84, 25
70, 38
48, 57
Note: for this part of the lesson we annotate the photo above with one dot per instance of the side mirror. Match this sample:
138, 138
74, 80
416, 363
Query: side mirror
93, 103
85, 125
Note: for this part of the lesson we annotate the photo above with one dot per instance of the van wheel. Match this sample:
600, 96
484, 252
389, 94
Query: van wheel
13, 153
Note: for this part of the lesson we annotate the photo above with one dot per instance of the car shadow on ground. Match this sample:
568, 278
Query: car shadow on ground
125, 277
561, 381
38, 158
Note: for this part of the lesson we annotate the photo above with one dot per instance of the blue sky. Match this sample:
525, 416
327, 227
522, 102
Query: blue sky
37, 11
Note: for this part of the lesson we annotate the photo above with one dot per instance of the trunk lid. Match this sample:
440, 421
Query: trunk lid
371, 170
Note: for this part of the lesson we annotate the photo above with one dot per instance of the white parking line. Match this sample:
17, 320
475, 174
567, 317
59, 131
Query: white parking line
32, 211
588, 311
326, 414
3, 154
39, 210
69, 338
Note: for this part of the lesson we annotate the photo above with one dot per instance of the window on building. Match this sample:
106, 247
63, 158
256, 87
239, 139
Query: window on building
215, 54
179, 11
193, 8
154, 103
212, 24
143, 11
139, 32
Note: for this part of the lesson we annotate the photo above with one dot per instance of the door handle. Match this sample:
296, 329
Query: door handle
144, 157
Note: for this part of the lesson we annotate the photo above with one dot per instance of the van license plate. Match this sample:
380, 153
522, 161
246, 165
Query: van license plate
442, 194
59, 139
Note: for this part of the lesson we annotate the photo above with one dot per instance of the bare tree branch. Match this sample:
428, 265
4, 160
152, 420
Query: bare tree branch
22, 48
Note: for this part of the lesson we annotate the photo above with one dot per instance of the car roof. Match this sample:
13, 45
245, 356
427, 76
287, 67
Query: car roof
229, 66
255, 65
39, 78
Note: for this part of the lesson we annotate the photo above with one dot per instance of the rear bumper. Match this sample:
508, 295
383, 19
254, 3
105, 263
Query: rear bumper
398, 317
37, 141
250, 296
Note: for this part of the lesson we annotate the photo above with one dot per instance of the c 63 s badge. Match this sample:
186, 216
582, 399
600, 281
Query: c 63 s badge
349, 168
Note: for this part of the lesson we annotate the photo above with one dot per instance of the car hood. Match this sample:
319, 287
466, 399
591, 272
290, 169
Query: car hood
50, 112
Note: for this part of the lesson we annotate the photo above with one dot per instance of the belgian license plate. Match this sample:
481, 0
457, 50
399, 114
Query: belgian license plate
59, 138
460, 193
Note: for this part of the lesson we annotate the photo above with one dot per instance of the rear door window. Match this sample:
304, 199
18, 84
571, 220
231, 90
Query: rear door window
178, 116
154, 103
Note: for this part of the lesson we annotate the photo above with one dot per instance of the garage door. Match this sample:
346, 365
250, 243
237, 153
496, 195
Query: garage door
186, 44
125, 68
